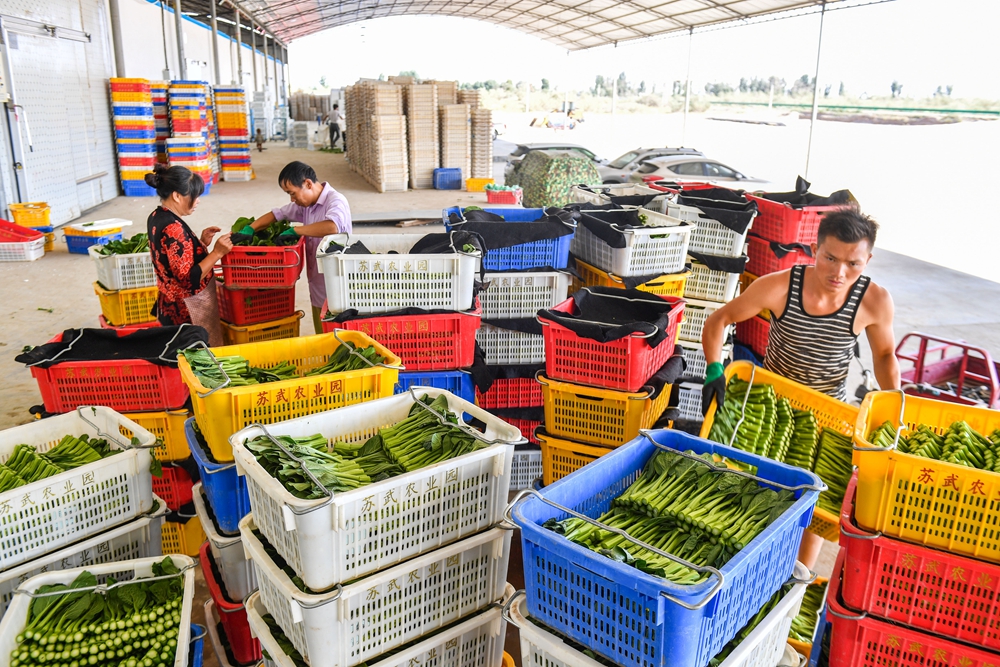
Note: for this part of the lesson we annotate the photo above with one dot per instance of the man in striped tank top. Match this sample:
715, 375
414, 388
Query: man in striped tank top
817, 314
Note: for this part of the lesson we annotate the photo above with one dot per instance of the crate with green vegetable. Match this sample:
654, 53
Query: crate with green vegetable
262, 383
770, 415
168, 427
139, 538
759, 644
683, 545
69, 477
609, 193
632, 242
236, 572
112, 613
341, 628
474, 641
261, 260
803, 628
125, 264
390, 474
937, 482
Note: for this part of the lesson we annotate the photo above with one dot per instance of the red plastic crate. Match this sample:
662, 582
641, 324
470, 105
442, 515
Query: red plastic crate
511, 393
657, 185
11, 233
763, 260
127, 328
624, 365
174, 487
859, 640
125, 385
233, 615
256, 267
253, 306
526, 426
777, 221
125, 161
917, 586
754, 334
423, 342
504, 196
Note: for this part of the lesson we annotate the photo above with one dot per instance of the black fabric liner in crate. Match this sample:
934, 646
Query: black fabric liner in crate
157, 345
607, 314
620, 200
801, 197
782, 249
497, 234
731, 210
631, 282
484, 376
720, 262
608, 225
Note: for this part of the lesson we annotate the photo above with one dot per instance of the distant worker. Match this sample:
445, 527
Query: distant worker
259, 138
817, 314
321, 210
335, 119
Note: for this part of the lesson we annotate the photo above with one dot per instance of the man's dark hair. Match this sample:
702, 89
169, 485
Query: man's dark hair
848, 225
168, 180
336, 106
296, 173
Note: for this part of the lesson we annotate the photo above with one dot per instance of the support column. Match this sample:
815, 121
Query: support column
239, 47
265, 61
815, 108
116, 37
253, 51
277, 91
687, 87
179, 23
215, 43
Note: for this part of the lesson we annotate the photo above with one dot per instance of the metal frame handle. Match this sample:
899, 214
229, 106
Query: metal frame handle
293, 249
465, 428
108, 436
354, 352
199, 637
103, 588
302, 466
218, 364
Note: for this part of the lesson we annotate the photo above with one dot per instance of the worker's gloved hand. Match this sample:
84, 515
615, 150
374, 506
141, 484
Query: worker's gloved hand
287, 237
247, 229
715, 387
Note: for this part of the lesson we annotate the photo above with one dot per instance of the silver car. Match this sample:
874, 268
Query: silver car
523, 149
620, 169
691, 168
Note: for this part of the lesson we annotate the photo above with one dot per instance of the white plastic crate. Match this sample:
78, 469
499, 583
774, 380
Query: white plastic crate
601, 194
658, 248
380, 612
475, 642
22, 251
136, 539
17, 614
526, 468
694, 355
101, 225
711, 237
373, 527
519, 294
695, 314
46, 515
689, 401
709, 285
237, 574
763, 647
118, 272
382, 282
505, 346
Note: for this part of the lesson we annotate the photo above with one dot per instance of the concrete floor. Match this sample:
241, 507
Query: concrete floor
42, 298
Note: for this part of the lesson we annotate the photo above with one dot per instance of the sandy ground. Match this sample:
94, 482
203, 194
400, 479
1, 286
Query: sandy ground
928, 297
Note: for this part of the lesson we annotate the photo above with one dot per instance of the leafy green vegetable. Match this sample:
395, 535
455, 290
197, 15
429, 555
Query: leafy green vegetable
136, 244
262, 237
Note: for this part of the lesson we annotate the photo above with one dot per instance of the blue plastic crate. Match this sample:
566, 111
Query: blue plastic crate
136, 134
547, 252
509, 214
623, 613
137, 189
196, 650
457, 382
136, 148
448, 179
744, 353
139, 111
822, 627
78, 244
226, 491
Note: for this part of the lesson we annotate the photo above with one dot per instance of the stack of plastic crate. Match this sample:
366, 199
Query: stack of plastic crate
263, 112
234, 133
422, 134
135, 133
212, 128
456, 138
161, 118
189, 145
361, 575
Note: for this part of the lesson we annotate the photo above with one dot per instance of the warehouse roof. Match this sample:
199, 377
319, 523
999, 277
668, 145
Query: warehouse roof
572, 24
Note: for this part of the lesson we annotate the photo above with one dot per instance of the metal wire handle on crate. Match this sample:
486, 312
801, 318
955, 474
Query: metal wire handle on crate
104, 588
650, 391
743, 408
109, 436
204, 346
634, 334
866, 536
354, 352
704, 569
302, 466
899, 429
505, 609
465, 428
198, 637
166, 347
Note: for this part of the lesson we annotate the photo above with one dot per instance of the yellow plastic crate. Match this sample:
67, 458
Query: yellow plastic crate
168, 427
286, 327
941, 505
830, 413
30, 214
127, 306
131, 96
669, 284
560, 457
226, 411
183, 538
746, 279
599, 416
477, 184
105, 231
50, 241
507, 660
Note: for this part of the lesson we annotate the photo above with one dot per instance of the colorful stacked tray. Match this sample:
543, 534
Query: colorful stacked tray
135, 134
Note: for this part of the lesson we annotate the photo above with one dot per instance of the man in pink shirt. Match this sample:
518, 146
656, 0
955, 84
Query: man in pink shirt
321, 210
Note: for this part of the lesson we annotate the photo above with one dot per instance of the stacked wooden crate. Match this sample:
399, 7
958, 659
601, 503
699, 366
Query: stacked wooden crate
377, 134
420, 104
470, 97
447, 91
482, 143
456, 137
392, 172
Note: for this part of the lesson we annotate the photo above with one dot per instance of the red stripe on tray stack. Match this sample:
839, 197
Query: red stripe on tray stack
917, 577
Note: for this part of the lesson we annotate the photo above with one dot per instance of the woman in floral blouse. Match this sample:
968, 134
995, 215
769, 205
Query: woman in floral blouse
182, 261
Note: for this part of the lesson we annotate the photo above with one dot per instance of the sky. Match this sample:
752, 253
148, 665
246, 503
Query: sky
922, 44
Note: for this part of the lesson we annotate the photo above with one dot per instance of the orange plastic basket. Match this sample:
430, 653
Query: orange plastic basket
669, 284
561, 457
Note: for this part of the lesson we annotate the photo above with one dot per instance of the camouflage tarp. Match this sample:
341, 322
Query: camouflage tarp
547, 176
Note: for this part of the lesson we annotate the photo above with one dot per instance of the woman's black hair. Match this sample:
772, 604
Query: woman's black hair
168, 180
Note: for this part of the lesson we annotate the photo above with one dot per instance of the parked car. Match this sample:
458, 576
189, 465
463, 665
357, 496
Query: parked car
620, 169
691, 168
499, 129
523, 149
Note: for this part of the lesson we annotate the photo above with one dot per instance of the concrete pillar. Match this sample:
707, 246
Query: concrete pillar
179, 23
215, 44
239, 47
116, 37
